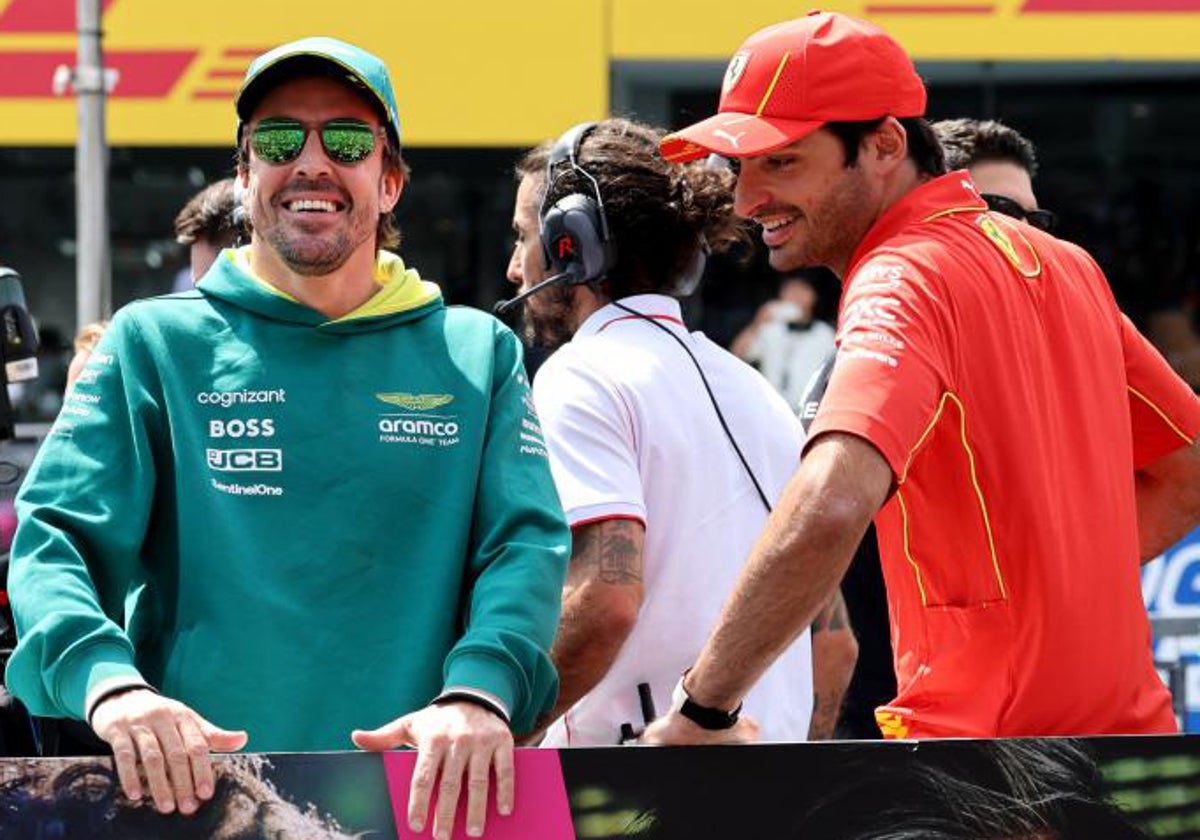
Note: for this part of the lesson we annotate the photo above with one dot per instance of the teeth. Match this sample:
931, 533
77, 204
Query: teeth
311, 204
776, 224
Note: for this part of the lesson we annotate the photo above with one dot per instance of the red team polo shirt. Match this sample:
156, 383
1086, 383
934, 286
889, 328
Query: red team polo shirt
989, 364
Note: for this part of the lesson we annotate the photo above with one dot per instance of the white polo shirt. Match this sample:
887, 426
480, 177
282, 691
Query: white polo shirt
632, 433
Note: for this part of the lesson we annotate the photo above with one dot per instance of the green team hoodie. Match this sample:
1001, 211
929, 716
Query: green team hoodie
305, 526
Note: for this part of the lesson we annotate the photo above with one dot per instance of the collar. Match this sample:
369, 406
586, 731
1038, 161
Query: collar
402, 294
945, 195
658, 307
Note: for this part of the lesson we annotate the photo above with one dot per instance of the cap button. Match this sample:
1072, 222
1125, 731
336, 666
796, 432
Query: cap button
812, 12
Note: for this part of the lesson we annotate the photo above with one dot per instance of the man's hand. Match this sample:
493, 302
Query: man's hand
451, 738
167, 742
673, 728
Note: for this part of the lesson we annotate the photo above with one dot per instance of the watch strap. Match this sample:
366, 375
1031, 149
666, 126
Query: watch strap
705, 717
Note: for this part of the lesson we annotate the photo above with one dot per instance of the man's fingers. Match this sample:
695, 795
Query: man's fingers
389, 737
506, 778
154, 764
429, 761
221, 740
479, 768
451, 785
178, 764
195, 744
125, 759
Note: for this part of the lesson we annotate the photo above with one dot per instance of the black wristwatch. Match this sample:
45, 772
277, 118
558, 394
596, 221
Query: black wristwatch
705, 717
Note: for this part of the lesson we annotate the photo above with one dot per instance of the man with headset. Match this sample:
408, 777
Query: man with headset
667, 451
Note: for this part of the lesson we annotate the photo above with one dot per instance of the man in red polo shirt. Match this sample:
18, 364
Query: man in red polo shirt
1018, 443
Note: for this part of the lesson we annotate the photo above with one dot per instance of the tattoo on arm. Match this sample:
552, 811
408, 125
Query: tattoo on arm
608, 552
833, 615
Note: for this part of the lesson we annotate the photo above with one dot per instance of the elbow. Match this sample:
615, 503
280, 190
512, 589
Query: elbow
621, 610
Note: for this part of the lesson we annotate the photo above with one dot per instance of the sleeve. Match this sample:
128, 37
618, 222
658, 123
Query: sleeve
892, 365
82, 514
520, 546
1164, 411
589, 434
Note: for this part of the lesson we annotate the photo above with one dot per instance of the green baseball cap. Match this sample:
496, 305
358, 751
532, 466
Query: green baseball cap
324, 56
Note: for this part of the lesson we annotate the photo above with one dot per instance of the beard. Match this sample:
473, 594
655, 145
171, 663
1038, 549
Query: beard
320, 253
835, 227
546, 323
312, 258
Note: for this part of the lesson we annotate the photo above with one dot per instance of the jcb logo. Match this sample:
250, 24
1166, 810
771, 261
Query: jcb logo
241, 428
246, 460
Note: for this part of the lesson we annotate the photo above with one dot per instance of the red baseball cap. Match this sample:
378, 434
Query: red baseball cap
790, 79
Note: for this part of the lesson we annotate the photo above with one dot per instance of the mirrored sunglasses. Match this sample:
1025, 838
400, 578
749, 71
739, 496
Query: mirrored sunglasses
1040, 219
279, 140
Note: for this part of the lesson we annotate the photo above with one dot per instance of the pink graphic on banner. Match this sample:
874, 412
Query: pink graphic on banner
541, 809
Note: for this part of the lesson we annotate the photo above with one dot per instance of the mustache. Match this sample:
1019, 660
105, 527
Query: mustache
777, 210
309, 185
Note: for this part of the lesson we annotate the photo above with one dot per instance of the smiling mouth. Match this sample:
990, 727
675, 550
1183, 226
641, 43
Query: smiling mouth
313, 205
777, 228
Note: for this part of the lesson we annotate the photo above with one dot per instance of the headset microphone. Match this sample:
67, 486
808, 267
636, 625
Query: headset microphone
503, 307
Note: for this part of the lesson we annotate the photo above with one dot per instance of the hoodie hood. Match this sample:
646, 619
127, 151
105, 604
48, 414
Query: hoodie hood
402, 296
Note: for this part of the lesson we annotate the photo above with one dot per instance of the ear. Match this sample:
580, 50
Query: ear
390, 187
887, 146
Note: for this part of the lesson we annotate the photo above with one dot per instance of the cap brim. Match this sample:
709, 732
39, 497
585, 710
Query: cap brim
731, 134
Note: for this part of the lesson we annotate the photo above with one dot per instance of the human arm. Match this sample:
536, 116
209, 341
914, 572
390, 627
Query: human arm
793, 569
1168, 500
1165, 420
834, 652
518, 556
78, 552
601, 600
745, 343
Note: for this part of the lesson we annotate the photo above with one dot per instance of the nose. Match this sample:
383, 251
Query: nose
312, 161
748, 194
514, 274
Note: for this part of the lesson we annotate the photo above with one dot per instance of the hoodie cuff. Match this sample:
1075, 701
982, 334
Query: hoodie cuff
486, 677
486, 699
99, 663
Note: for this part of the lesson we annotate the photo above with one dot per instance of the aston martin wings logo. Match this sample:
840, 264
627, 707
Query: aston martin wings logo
416, 402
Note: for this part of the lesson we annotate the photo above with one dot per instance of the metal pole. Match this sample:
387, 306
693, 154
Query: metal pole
93, 271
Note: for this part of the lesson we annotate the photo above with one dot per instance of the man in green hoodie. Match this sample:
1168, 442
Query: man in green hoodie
305, 499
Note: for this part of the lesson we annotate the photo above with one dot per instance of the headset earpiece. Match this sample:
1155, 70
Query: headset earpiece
572, 241
574, 229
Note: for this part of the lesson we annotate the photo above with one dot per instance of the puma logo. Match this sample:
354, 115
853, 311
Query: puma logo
732, 138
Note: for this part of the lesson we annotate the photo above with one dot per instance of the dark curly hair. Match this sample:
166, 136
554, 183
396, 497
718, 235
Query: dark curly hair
657, 212
968, 142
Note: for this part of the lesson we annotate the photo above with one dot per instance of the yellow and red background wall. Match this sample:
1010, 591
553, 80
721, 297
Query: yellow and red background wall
478, 73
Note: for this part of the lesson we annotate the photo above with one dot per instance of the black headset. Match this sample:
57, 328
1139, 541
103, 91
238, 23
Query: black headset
576, 240
577, 245
574, 230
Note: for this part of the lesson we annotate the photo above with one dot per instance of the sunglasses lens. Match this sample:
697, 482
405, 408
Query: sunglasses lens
278, 141
1007, 206
348, 141
1041, 219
